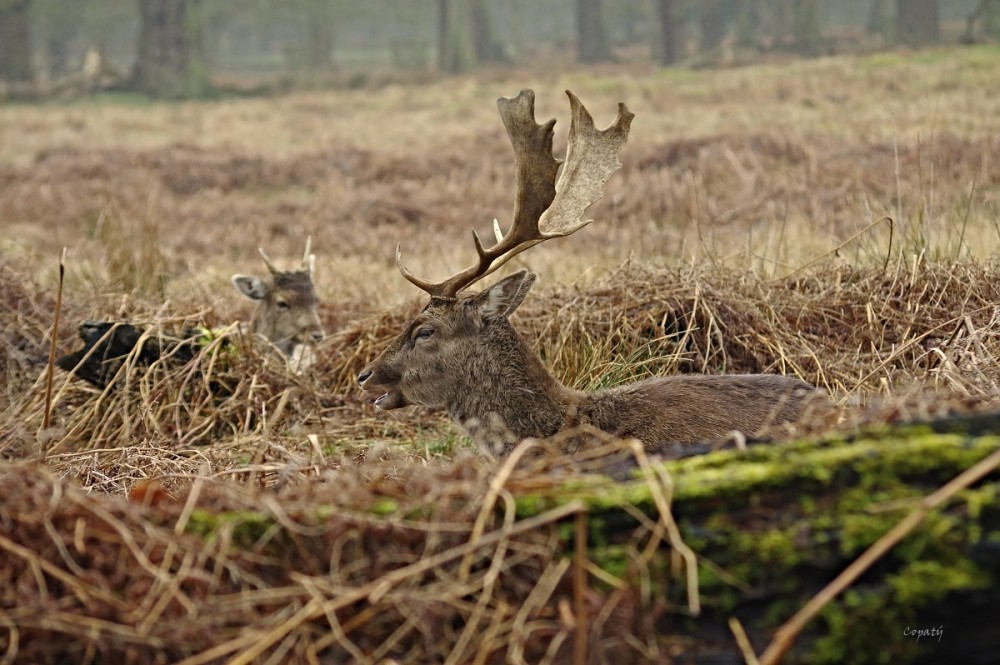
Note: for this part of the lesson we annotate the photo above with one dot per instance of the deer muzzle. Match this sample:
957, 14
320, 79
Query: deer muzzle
390, 398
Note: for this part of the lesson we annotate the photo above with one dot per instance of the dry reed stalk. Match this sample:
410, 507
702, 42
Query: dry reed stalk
580, 590
661, 488
746, 649
50, 368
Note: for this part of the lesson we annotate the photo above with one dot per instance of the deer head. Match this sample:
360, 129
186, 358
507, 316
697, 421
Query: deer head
443, 354
286, 304
462, 353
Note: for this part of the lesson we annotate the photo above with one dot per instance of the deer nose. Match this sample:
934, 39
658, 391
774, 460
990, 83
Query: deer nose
364, 376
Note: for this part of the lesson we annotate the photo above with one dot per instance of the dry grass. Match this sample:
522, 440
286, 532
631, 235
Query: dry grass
438, 581
743, 234
763, 167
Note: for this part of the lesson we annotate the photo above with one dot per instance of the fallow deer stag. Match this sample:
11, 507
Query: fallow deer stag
463, 354
286, 317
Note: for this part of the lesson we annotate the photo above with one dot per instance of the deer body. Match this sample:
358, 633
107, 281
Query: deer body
688, 408
461, 352
465, 356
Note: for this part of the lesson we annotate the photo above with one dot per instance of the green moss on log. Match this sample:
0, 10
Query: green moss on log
246, 527
779, 522
774, 524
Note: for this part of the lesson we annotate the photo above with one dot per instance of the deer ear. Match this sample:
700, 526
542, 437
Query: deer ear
501, 299
250, 286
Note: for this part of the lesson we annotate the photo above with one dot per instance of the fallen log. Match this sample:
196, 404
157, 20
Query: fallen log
773, 525
534, 559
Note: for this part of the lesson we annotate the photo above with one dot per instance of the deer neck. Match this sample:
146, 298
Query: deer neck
509, 391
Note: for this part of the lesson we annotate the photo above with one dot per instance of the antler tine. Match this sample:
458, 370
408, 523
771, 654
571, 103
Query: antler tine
308, 260
267, 261
424, 285
543, 208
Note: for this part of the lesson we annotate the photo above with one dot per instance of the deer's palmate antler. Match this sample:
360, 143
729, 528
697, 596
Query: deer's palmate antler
544, 208
462, 353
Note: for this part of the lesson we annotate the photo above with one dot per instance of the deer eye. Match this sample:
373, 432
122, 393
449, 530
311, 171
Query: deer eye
423, 333
282, 304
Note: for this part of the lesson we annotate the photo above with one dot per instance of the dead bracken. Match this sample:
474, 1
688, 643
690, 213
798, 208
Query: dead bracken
280, 519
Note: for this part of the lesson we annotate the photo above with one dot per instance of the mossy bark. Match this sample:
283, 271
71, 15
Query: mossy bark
773, 525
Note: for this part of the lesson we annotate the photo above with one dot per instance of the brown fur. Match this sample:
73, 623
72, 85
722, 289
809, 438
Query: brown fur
464, 355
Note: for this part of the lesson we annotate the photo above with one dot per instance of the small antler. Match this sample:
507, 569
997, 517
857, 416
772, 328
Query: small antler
308, 260
267, 261
543, 207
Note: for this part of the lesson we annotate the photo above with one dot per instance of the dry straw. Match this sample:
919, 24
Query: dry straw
915, 339
274, 517
333, 545
215, 573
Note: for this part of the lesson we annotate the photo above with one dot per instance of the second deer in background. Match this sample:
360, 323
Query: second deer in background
286, 313
286, 318
462, 353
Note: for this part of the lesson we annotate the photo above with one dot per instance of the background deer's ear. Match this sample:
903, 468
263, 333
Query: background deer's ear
501, 299
250, 286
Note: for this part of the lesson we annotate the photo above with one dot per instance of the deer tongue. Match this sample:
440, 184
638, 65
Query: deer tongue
391, 399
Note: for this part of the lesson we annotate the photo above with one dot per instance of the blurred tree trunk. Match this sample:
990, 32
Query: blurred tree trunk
781, 22
319, 35
712, 17
489, 47
669, 46
917, 21
808, 33
171, 62
748, 23
57, 52
456, 42
59, 28
986, 12
15, 41
591, 35
879, 22
990, 17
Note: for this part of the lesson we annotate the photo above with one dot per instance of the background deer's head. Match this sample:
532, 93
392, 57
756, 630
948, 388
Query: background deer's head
286, 312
